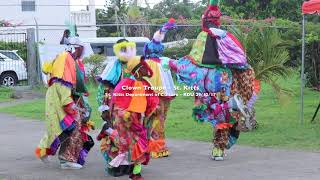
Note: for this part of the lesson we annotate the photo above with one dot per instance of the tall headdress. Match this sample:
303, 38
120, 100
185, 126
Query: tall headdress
211, 16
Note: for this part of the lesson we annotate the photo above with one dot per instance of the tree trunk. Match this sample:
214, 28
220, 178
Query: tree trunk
147, 3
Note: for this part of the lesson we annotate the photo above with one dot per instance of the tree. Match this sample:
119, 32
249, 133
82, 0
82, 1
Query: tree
171, 8
267, 54
107, 16
134, 16
198, 9
121, 4
95, 63
263, 9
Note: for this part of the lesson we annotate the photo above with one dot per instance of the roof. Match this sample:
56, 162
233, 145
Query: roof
114, 39
9, 51
311, 7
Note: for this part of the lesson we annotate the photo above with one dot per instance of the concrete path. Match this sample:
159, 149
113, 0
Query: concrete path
189, 161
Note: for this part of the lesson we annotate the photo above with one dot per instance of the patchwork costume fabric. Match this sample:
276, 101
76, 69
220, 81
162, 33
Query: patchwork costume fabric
65, 127
125, 146
126, 111
113, 73
224, 83
131, 113
163, 84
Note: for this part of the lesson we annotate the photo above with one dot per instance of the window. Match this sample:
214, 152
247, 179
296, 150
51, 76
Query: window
110, 51
28, 5
98, 49
10, 55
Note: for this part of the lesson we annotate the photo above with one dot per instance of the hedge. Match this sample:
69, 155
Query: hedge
21, 47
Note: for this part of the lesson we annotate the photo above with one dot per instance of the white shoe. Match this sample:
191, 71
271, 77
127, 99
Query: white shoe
70, 165
45, 159
220, 158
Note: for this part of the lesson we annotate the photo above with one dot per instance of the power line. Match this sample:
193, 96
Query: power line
154, 25
72, 5
19, 5
6, 5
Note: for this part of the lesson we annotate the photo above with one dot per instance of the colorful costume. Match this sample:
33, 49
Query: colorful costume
113, 73
67, 122
133, 104
163, 85
223, 81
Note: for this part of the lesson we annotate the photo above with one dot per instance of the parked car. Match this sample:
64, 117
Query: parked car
12, 68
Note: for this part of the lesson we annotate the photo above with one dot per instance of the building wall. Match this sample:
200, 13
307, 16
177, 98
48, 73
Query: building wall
56, 15
51, 19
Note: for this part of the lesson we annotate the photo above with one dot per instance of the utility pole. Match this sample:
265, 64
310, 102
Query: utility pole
116, 9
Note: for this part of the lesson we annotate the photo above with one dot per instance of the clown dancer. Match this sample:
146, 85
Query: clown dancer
217, 70
132, 108
64, 117
108, 80
163, 85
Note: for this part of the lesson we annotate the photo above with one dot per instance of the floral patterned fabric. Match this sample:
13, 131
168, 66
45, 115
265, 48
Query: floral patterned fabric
66, 127
58, 96
213, 88
71, 146
132, 136
157, 142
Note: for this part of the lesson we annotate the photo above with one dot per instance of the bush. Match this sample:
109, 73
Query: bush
178, 52
95, 64
21, 47
291, 33
312, 49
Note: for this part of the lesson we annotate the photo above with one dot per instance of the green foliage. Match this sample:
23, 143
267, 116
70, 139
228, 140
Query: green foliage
267, 54
108, 16
263, 9
94, 59
178, 52
135, 16
134, 12
121, 4
95, 63
5, 94
312, 48
21, 47
198, 9
171, 8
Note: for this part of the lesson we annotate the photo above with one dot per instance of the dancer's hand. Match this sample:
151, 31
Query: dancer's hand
103, 132
171, 24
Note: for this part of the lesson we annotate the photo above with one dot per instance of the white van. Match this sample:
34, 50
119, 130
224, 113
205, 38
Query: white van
12, 68
104, 46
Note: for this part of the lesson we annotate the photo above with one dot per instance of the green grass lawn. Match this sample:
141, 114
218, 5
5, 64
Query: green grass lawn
5, 94
278, 125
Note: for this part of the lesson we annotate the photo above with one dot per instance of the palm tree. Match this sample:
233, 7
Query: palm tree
267, 54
